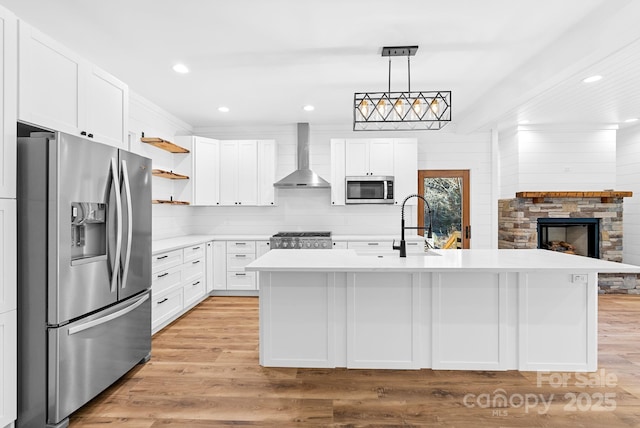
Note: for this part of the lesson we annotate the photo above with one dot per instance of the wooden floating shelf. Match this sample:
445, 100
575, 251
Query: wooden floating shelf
168, 202
164, 144
169, 174
606, 196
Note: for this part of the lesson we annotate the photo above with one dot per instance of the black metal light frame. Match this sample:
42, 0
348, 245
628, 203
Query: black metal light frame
401, 111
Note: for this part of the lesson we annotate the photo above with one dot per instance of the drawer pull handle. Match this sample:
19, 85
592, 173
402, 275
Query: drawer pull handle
163, 300
196, 262
372, 243
412, 243
241, 243
163, 274
241, 255
241, 274
195, 248
161, 257
195, 283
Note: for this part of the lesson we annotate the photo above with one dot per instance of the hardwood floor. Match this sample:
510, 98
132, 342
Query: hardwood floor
204, 372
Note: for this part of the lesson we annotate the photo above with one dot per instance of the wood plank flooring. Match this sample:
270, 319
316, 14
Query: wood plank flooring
204, 372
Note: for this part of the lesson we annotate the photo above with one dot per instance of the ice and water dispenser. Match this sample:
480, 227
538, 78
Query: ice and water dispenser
88, 232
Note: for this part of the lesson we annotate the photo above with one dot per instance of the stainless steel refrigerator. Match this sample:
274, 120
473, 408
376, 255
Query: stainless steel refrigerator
84, 272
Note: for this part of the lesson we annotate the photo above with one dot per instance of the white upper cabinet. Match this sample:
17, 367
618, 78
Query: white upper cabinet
338, 172
107, 103
205, 176
232, 173
58, 89
405, 159
369, 157
8, 83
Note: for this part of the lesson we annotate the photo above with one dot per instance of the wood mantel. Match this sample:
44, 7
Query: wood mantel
606, 197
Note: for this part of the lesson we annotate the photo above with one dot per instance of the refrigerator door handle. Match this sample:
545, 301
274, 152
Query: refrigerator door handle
116, 261
127, 192
107, 318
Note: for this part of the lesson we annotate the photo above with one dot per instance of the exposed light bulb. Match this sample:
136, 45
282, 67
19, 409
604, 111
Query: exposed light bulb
398, 106
381, 107
434, 106
364, 108
416, 105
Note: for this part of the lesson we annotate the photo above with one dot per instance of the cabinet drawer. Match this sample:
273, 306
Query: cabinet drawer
415, 246
192, 270
239, 261
370, 246
166, 260
194, 252
241, 281
166, 307
245, 247
164, 280
193, 291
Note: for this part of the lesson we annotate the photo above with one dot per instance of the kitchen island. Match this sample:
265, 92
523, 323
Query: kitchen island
444, 309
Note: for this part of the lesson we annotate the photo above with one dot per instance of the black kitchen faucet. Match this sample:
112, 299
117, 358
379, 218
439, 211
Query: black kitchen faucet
403, 244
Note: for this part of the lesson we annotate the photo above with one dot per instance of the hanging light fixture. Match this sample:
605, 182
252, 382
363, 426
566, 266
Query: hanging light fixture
411, 110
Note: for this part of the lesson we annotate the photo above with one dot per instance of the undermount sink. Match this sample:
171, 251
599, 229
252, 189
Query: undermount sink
394, 254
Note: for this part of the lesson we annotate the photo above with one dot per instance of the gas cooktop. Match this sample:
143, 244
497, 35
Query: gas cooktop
301, 240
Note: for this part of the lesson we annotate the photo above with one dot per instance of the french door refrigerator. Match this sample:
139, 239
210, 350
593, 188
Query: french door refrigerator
84, 307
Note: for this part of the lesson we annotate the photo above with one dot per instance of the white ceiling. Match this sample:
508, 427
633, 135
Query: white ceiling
503, 60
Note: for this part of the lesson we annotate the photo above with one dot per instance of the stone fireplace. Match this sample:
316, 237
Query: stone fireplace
555, 219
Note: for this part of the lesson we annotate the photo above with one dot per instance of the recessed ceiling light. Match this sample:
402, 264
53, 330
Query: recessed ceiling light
223, 109
592, 79
180, 68
633, 119
309, 108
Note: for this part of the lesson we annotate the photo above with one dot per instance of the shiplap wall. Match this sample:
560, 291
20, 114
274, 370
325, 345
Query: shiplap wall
557, 159
145, 116
628, 176
305, 209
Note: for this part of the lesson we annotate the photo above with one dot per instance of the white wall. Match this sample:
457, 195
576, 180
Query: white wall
547, 159
144, 116
628, 178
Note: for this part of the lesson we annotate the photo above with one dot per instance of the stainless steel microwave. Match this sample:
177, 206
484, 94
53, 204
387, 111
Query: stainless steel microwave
369, 189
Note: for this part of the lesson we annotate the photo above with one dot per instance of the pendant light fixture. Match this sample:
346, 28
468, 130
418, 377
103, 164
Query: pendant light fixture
410, 110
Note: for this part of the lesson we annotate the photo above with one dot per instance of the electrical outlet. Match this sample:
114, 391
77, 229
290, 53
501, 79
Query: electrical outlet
580, 278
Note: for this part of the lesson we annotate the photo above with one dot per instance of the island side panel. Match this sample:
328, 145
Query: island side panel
469, 321
383, 320
558, 321
297, 312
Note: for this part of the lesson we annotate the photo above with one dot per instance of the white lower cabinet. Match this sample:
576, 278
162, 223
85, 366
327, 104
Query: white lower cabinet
8, 367
229, 260
178, 283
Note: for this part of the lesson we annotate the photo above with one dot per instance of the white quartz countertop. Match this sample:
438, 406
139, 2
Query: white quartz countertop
169, 244
439, 261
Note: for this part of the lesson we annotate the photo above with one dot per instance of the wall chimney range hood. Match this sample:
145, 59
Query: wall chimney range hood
303, 177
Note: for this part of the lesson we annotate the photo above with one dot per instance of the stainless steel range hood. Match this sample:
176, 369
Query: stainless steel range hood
303, 176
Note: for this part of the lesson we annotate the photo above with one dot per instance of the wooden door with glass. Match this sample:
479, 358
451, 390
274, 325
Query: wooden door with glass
447, 194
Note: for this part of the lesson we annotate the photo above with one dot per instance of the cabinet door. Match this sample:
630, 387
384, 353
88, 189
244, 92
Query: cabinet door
247, 172
8, 367
357, 157
8, 249
337, 172
266, 172
206, 170
219, 265
228, 173
381, 157
406, 170
262, 248
8, 97
107, 106
50, 80
209, 268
